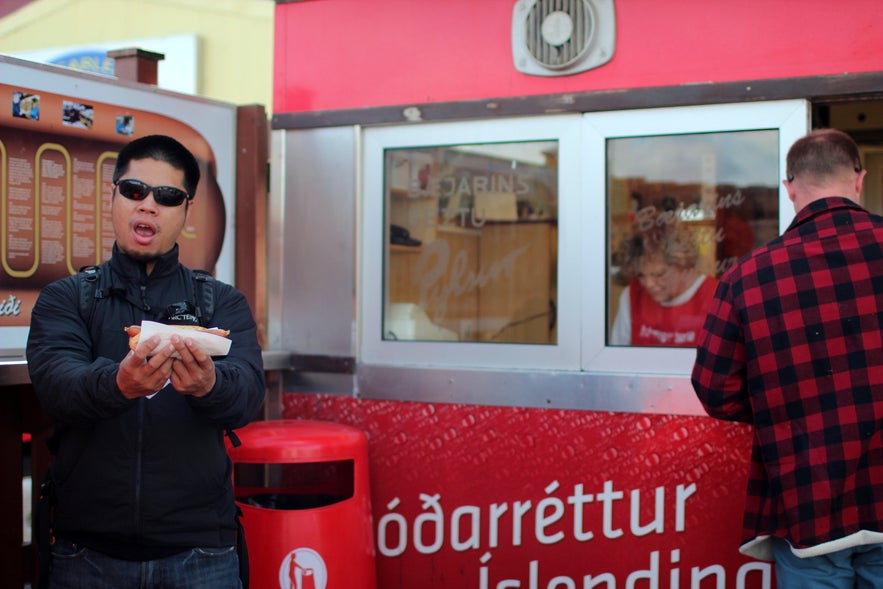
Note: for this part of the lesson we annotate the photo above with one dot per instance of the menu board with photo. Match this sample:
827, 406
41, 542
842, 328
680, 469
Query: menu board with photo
60, 133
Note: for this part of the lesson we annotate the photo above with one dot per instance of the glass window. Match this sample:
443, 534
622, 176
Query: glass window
516, 232
681, 210
470, 238
471, 243
685, 191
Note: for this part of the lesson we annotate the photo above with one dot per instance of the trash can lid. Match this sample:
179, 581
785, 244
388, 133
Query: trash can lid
297, 440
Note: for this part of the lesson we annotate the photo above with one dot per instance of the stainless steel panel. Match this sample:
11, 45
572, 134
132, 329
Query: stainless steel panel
523, 388
14, 370
312, 233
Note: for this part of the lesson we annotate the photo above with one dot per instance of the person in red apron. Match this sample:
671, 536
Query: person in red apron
667, 297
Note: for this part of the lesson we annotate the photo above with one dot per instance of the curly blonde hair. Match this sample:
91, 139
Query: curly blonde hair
673, 242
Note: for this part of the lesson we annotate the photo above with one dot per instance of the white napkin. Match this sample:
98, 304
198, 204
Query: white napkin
213, 345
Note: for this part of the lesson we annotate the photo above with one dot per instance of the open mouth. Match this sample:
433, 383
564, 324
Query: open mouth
144, 232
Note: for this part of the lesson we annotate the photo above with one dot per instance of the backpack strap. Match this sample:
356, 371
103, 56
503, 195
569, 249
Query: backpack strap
204, 285
242, 550
43, 520
93, 285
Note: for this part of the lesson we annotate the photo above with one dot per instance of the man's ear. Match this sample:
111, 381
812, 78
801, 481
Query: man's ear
859, 182
791, 194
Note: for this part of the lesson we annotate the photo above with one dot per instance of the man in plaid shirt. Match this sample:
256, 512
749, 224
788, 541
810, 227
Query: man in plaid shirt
793, 343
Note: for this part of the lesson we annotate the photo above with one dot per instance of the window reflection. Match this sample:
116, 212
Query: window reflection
471, 249
681, 210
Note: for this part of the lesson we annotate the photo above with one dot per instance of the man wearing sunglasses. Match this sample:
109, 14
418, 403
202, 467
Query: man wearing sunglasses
140, 470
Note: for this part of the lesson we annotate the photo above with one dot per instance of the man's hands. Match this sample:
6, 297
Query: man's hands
148, 368
194, 374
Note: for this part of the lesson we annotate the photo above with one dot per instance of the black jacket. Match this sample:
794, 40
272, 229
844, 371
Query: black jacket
146, 478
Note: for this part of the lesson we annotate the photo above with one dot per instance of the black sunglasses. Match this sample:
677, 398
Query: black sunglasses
168, 196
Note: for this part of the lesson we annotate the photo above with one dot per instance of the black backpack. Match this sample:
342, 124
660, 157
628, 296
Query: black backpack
96, 284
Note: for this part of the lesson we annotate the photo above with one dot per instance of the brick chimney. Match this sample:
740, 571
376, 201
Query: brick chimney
136, 65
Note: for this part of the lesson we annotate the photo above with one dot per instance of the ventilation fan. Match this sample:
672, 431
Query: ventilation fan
562, 37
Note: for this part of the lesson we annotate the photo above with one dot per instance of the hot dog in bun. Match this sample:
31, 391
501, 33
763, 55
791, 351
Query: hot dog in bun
134, 332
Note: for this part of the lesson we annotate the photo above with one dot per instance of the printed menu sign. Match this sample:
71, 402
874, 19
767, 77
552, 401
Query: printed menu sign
57, 156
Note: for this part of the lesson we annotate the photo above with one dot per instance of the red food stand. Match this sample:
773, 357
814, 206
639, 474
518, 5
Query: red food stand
500, 458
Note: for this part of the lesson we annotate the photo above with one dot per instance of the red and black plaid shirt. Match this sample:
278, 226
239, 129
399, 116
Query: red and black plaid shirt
793, 343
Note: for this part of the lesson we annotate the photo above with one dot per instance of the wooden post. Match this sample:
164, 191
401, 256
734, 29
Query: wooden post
252, 160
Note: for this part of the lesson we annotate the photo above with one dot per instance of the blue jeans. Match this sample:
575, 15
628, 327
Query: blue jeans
859, 567
76, 567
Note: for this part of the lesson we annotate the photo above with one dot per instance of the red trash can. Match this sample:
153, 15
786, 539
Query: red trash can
306, 508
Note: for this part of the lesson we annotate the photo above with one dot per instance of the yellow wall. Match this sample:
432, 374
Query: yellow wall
235, 37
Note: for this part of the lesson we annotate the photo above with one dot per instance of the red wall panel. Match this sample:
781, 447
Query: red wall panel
431, 462
342, 54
